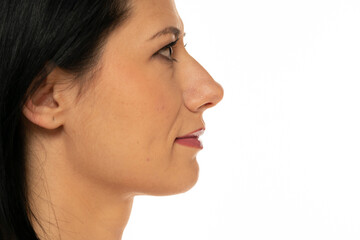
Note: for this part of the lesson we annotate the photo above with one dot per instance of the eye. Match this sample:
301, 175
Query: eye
168, 51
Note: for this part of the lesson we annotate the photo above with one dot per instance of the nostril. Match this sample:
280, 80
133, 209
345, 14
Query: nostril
208, 105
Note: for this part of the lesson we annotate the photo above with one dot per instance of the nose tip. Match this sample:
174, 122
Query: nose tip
220, 94
214, 96
204, 96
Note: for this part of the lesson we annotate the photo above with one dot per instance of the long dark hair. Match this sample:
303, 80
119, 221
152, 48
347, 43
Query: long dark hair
35, 37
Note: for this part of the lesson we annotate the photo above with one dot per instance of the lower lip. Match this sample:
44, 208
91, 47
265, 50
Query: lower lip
190, 142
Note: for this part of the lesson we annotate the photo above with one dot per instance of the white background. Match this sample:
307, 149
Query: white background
281, 157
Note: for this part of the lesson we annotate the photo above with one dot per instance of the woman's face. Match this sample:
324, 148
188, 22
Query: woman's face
122, 131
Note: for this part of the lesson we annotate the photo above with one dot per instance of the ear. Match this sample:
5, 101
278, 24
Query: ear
47, 106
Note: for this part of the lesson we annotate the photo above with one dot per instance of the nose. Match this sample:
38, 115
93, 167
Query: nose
201, 91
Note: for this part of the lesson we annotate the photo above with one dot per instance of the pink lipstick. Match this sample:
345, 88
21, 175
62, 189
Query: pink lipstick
191, 139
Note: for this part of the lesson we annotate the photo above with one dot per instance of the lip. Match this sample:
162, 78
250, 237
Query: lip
191, 139
197, 133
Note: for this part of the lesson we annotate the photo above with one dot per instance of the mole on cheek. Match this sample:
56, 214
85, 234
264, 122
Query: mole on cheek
161, 108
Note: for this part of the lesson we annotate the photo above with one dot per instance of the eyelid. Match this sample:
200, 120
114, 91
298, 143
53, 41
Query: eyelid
170, 45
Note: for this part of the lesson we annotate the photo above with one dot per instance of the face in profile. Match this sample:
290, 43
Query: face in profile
148, 91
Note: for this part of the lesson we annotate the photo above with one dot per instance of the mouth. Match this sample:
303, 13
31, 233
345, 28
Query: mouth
191, 139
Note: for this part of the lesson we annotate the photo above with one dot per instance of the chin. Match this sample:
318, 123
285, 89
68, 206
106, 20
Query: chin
184, 181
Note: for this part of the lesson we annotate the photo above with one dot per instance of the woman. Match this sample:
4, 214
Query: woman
100, 102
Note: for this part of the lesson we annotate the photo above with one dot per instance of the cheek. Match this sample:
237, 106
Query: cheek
125, 133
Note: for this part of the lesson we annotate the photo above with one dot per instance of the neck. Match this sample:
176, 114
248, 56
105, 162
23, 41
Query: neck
68, 206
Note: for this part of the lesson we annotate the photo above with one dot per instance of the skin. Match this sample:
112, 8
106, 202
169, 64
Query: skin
88, 158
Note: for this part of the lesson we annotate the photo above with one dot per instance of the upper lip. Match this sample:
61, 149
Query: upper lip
197, 133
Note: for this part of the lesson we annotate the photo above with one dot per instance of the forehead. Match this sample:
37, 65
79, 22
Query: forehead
154, 14
147, 17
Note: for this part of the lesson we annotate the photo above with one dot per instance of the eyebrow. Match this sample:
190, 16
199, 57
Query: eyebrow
165, 31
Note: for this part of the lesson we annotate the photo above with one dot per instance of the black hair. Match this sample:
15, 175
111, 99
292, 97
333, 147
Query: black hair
35, 37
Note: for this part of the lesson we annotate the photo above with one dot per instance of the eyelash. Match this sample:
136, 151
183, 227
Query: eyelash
170, 48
